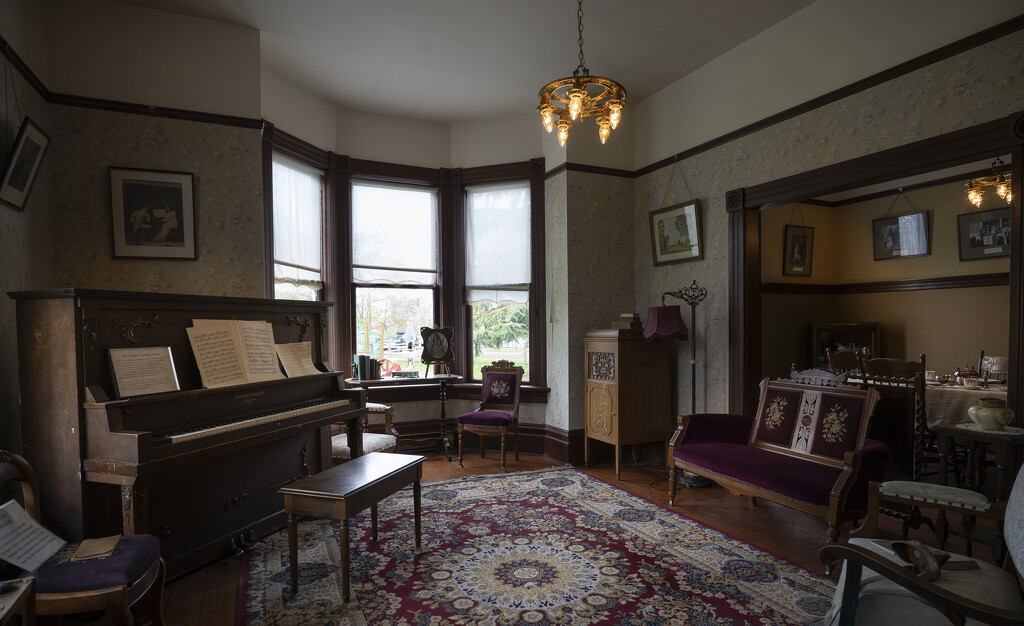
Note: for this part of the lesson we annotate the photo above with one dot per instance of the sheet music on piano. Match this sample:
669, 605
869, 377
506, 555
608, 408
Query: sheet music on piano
233, 352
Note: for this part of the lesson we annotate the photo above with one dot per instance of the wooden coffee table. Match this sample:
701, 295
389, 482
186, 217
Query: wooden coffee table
345, 490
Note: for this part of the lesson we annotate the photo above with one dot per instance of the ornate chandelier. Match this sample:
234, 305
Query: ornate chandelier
581, 95
1000, 179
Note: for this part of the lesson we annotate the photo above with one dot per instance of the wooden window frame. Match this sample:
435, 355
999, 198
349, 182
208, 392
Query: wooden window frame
450, 302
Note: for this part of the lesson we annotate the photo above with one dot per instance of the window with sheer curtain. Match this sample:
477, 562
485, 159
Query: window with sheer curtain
298, 220
498, 272
394, 268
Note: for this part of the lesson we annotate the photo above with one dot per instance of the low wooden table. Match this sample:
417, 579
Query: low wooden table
345, 490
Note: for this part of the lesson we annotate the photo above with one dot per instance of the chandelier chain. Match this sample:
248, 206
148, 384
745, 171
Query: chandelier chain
583, 63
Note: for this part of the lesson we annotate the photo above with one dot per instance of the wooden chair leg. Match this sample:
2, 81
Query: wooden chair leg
120, 615
460, 446
481, 445
156, 596
516, 440
671, 484
503, 452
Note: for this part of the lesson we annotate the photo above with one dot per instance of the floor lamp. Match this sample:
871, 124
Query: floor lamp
666, 323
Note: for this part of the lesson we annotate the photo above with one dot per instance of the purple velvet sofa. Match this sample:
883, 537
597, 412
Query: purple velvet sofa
805, 449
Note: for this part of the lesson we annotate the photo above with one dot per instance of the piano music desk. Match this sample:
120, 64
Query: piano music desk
343, 491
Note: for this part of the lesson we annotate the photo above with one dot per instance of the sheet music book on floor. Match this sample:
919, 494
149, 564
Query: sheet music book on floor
233, 352
25, 542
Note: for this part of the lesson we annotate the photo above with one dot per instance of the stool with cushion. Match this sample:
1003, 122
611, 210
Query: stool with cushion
372, 442
876, 587
112, 584
499, 407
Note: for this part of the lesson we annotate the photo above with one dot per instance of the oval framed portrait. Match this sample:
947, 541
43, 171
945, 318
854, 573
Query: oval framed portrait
437, 345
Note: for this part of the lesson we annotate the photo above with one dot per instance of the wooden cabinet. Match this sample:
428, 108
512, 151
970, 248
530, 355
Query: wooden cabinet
628, 390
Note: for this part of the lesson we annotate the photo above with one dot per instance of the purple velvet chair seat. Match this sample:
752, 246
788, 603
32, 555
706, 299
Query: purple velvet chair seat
134, 555
487, 419
788, 477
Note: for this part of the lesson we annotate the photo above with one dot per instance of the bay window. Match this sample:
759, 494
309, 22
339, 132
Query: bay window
394, 270
498, 220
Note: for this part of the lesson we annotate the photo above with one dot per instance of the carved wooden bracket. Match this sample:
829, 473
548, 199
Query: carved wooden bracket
128, 328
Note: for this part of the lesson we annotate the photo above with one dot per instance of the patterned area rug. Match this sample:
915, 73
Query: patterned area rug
543, 547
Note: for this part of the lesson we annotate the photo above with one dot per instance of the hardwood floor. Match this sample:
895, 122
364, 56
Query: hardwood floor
207, 596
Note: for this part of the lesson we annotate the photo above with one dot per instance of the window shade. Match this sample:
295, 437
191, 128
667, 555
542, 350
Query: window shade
498, 243
394, 234
298, 201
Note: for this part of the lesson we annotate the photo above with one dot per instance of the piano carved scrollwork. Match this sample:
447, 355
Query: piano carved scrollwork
304, 325
89, 334
128, 328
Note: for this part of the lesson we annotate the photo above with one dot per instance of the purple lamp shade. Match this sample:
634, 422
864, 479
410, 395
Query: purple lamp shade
664, 323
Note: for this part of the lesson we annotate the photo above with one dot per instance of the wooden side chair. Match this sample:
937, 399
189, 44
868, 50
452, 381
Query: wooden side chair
993, 368
844, 361
386, 441
499, 407
112, 584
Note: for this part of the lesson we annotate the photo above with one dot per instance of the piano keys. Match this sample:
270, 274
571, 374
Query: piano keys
199, 468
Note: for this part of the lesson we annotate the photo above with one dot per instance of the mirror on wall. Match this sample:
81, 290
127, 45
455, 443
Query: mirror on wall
915, 256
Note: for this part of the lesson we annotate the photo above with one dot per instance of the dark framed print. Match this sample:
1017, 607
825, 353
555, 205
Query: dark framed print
23, 165
675, 234
984, 235
437, 345
901, 236
153, 214
797, 250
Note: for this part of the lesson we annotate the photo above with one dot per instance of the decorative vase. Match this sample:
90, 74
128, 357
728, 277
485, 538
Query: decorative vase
991, 413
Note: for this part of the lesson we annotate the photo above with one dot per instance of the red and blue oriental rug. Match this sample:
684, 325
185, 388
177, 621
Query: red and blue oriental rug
543, 547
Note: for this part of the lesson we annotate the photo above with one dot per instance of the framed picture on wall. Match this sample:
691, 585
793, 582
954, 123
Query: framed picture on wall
984, 235
901, 236
153, 214
23, 165
798, 245
675, 234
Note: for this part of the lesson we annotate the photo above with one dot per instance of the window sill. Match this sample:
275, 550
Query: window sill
470, 391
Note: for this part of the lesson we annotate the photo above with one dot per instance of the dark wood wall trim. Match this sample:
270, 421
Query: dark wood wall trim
745, 288
919, 284
945, 52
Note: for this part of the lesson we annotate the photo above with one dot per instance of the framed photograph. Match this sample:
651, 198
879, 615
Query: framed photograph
153, 214
984, 235
23, 164
901, 236
675, 234
797, 249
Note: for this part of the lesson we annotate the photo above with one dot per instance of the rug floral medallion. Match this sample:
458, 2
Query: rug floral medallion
543, 547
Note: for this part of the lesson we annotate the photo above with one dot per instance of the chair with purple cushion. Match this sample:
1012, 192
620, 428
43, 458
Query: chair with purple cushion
112, 584
499, 407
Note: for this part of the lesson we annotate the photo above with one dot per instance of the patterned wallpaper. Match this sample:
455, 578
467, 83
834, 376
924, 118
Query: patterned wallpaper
225, 162
20, 232
977, 86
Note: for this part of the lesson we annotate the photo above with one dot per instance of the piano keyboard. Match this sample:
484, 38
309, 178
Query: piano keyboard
190, 435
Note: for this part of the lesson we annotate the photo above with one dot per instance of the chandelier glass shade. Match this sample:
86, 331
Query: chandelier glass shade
564, 100
999, 181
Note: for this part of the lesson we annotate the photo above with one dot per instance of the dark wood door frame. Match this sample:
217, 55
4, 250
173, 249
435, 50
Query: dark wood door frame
743, 206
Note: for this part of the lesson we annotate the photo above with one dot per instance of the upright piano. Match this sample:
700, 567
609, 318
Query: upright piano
199, 468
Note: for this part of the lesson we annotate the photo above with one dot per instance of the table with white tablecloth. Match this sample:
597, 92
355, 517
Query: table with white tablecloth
948, 404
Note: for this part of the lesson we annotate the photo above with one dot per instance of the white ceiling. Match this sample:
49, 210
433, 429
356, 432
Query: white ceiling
447, 61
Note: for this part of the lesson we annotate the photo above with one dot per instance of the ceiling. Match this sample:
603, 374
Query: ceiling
447, 61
